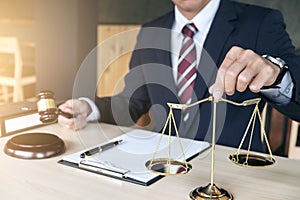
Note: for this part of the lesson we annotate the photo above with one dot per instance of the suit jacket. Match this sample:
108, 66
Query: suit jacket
150, 83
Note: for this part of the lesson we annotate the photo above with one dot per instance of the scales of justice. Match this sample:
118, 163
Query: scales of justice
171, 167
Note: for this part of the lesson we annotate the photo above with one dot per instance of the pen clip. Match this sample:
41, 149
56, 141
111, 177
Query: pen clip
100, 167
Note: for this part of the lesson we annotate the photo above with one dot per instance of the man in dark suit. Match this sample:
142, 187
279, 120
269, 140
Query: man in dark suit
241, 50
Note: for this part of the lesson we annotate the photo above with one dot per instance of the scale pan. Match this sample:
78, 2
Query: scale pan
167, 167
254, 160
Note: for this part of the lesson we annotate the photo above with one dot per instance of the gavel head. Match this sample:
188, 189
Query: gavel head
46, 106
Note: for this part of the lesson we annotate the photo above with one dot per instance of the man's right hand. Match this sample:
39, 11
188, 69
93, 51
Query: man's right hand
80, 109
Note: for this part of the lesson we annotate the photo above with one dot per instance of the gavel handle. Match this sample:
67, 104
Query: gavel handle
65, 114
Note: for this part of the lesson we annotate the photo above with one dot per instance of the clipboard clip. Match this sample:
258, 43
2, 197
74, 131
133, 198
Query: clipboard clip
102, 168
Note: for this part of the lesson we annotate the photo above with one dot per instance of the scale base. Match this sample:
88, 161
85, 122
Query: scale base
208, 192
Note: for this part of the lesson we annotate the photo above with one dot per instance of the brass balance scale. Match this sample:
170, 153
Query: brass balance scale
172, 167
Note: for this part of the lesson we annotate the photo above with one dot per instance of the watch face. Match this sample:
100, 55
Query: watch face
277, 61
281, 63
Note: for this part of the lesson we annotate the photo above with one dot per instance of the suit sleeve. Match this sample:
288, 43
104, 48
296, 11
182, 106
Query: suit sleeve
274, 36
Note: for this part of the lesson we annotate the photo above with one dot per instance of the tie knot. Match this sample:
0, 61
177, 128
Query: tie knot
189, 30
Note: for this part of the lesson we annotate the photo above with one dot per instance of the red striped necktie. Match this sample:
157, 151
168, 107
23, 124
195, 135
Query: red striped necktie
187, 67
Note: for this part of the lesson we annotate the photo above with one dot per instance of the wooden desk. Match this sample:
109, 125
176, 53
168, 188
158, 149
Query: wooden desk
46, 179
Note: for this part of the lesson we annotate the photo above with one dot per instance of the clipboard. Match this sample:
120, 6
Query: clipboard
127, 160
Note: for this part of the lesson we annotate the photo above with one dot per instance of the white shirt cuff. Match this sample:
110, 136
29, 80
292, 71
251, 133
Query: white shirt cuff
95, 114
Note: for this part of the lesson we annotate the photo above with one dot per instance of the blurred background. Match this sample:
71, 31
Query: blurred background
44, 42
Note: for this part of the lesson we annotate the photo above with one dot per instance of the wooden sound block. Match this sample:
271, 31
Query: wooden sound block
34, 146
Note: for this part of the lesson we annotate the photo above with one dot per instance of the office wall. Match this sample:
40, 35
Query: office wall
66, 31
131, 11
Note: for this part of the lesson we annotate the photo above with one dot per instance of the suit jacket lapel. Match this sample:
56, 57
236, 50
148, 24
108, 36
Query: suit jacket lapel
210, 60
156, 41
165, 58
220, 30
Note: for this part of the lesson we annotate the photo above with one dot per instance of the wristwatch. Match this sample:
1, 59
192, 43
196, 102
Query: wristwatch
281, 64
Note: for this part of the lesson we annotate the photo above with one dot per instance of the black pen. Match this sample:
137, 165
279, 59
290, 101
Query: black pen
100, 149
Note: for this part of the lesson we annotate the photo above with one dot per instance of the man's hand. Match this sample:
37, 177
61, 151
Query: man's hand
80, 110
241, 69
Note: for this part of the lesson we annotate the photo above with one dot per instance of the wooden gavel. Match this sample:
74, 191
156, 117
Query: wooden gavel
47, 108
